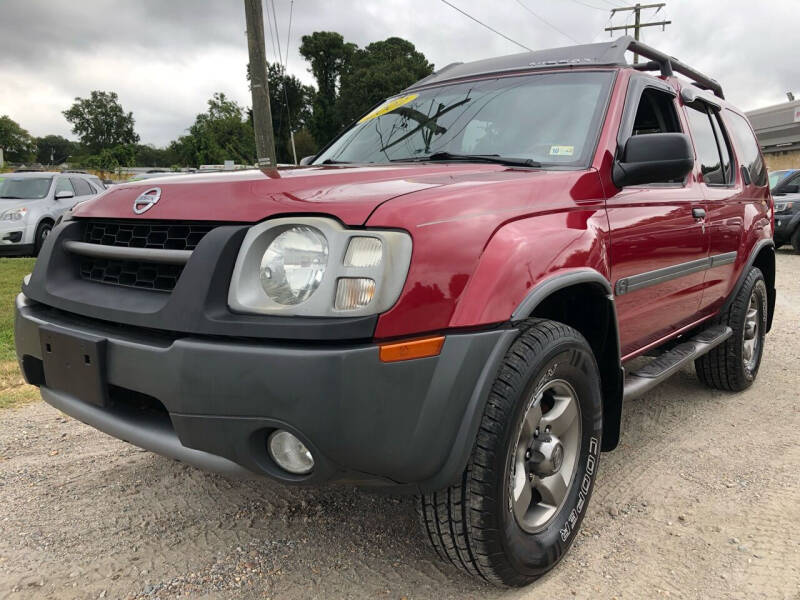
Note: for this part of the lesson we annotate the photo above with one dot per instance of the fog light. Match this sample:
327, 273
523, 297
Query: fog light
290, 453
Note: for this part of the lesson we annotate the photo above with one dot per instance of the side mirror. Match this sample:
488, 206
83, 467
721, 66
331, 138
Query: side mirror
306, 160
63, 194
654, 158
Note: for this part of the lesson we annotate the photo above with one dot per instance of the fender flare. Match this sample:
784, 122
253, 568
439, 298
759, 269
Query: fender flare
758, 247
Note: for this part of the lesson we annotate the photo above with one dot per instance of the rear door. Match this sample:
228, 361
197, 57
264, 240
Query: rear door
659, 243
715, 169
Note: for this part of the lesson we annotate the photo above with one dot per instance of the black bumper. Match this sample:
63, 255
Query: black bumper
17, 249
409, 424
785, 226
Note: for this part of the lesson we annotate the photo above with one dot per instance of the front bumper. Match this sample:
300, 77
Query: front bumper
15, 239
785, 226
408, 424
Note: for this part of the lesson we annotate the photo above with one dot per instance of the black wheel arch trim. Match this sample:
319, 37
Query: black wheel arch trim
609, 362
768, 245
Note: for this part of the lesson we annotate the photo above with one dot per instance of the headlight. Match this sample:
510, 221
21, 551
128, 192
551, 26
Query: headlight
312, 266
293, 265
782, 206
15, 214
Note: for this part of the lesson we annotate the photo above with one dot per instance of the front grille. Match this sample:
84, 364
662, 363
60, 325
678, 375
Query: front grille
138, 274
174, 236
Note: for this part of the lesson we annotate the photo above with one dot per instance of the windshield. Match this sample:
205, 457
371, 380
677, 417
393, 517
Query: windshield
550, 119
24, 188
776, 176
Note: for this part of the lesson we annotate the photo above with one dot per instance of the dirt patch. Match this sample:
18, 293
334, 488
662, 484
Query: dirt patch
701, 500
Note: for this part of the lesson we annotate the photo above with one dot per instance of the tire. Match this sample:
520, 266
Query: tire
796, 240
476, 524
731, 366
42, 231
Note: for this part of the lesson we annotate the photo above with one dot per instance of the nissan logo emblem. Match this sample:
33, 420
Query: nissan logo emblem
146, 200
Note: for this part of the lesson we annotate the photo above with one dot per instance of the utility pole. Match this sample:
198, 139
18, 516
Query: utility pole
638, 21
259, 87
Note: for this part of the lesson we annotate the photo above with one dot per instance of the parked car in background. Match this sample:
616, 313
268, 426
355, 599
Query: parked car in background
32, 202
776, 177
786, 195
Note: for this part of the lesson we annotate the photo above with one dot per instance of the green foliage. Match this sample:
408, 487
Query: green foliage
105, 161
351, 79
100, 122
16, 142
12, 270
222, 133
284, 87
328, 54
55, 149
304, 144
378, 71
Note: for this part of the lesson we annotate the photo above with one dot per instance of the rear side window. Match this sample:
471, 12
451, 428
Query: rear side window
747, 147
82, 187
713, 157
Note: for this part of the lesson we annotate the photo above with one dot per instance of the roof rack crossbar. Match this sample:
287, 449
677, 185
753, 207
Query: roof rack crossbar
669, 64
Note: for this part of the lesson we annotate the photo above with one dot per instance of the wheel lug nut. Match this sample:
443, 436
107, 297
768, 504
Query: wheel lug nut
536, 433
528, 454
530, 476
547, 429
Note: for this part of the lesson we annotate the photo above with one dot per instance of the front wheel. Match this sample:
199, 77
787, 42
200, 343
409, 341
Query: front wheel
42, 231
526, 488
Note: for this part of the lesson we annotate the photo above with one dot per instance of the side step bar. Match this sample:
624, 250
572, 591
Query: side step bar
666, 365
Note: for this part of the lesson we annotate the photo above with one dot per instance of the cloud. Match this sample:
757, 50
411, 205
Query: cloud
165, 58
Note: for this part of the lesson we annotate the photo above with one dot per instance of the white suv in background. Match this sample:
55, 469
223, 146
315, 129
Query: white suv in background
32, 202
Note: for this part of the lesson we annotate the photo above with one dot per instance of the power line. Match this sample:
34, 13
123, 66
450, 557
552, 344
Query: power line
487, 26
548, 23
600, 8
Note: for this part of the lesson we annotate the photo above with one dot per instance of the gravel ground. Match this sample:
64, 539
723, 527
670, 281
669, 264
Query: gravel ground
701, 500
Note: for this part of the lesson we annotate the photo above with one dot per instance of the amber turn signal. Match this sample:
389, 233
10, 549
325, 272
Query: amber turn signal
420, 348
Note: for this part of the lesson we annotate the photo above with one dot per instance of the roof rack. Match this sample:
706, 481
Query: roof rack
669, 64
586, 55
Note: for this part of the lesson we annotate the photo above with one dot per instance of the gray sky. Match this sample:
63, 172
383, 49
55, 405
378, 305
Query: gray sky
165, 58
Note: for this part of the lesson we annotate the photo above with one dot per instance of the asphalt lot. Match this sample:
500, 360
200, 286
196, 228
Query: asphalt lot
701, 500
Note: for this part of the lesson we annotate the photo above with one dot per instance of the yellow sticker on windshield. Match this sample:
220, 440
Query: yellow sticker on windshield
562, 150
387, 107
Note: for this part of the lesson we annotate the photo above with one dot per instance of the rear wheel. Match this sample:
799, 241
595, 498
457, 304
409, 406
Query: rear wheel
42, 231
734, 365
525, 490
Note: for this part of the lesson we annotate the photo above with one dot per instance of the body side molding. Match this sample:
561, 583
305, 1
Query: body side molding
648, 278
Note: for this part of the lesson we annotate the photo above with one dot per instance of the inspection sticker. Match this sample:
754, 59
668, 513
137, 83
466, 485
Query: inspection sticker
562, 150
388, 106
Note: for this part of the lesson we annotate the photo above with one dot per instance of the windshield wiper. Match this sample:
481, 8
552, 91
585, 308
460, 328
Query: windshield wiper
13, 198
491, 158
330, 161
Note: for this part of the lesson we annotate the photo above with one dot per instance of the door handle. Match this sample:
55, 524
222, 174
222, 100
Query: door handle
699, 213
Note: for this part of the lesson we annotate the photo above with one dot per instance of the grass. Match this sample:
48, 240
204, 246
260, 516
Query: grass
13, 389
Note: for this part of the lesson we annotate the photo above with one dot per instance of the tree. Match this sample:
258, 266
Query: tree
304, 143
297, 114
104, 162
100, 122
16, 143
222, 133
54, 149
328, 54
380, 70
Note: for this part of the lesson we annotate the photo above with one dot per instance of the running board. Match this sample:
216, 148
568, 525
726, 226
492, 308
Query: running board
666, 365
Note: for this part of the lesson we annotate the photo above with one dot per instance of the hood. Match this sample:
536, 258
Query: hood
349, 193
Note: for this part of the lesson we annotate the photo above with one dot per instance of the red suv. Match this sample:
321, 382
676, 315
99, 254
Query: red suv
445, 301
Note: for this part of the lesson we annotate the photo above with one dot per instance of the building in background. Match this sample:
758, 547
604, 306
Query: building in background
778, 131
